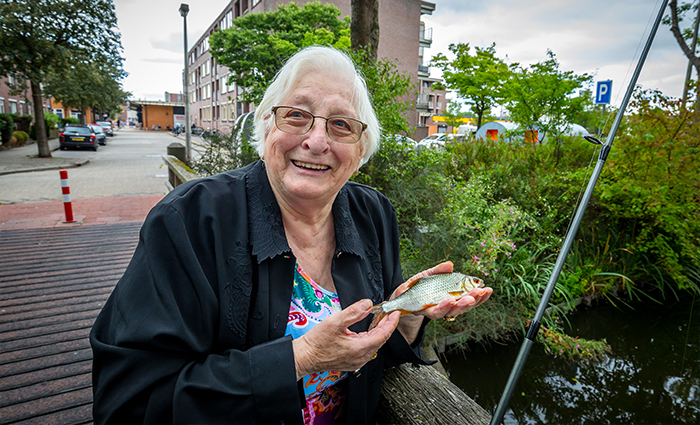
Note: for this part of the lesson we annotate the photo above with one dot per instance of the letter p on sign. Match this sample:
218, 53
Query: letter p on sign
603, 92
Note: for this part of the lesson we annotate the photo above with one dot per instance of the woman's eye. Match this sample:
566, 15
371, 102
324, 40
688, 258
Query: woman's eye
340, 124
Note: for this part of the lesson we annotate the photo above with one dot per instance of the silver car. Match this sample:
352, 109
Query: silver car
107, 127
100, 133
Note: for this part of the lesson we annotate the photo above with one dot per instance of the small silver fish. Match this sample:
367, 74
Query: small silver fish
427, 292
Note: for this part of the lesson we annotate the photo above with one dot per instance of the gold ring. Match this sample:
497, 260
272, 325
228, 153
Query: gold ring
374, 356
449, 319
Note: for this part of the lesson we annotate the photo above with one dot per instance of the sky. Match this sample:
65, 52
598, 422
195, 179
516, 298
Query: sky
603, 38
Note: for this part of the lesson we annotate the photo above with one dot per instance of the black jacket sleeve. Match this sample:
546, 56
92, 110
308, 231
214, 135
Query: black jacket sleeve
158, 354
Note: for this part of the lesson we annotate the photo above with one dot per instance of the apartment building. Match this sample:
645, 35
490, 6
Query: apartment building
17, 103
403, 38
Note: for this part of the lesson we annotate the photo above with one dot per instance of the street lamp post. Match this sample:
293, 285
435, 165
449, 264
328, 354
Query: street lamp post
184, 8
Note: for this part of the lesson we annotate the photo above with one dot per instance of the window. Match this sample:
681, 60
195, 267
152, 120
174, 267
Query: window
13, 106
2, 105
58, 112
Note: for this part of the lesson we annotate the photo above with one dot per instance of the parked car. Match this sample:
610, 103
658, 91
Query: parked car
435, 141
78, 136
100, 132
107, 127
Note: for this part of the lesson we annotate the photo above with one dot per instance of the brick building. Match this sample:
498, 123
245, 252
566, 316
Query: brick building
19, 103
402, 38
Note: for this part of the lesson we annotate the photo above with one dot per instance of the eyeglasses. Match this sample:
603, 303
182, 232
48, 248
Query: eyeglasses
298, 121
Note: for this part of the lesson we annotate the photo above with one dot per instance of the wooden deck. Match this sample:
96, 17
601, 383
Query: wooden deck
53, 283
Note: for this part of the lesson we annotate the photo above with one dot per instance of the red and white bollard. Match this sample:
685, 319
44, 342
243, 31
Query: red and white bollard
66, 197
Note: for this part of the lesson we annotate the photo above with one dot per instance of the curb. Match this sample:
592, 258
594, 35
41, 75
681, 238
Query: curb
45, 168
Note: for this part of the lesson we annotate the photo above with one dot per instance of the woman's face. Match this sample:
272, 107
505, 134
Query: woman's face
311, 168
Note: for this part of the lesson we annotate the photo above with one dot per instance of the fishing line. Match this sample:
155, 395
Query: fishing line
583, 188
634, 56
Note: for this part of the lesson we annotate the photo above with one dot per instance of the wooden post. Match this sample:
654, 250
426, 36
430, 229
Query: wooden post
421, 395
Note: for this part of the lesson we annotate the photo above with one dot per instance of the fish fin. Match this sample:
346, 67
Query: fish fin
423, 307
412, 284
456, 293
404, 312
378, 315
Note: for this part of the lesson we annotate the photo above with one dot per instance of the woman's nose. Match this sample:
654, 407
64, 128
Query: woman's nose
317, 138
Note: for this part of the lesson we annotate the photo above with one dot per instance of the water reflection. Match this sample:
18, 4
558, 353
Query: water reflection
651, 376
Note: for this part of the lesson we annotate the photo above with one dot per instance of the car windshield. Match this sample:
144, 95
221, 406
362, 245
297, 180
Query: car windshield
104, 124
97, 128
79, 130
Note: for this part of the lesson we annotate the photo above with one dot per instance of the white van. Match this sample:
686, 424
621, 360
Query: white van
466, 129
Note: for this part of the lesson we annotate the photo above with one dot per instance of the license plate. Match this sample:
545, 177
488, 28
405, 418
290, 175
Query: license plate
78, 139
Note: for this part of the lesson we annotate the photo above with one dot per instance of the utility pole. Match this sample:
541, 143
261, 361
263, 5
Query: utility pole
184, 9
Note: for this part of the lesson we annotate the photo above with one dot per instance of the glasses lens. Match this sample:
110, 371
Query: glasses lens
344, 130
292, 120
297, 121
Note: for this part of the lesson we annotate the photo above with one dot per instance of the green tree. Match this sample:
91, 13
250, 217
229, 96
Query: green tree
257, 44
541, 97
454, 114
37, 36
386, 87
477, 79
87, 85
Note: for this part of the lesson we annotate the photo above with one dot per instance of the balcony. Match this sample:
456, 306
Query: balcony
423, 70
426, 36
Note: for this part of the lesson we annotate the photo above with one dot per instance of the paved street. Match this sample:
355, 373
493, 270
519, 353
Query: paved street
55, 276
130, 164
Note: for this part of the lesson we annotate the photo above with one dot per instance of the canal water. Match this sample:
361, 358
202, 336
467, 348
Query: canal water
652, 375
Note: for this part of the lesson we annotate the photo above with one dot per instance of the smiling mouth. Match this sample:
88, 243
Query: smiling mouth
310, 166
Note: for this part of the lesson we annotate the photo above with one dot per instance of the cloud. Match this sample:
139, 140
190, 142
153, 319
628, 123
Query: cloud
599, 37
171, 43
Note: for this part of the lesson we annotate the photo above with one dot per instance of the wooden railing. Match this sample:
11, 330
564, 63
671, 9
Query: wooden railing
178, 172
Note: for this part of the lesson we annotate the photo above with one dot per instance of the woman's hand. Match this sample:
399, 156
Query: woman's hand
330, 345
410, 324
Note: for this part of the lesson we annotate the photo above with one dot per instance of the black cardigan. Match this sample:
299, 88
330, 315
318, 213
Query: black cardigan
194, 330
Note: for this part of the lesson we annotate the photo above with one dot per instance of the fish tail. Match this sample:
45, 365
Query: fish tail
379, 314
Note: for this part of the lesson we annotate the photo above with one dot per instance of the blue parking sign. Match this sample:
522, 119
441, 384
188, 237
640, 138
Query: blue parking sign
603, 92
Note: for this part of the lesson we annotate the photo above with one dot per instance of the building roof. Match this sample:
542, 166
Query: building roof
154, 102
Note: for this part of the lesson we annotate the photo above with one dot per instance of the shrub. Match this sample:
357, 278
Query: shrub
226, 151
649, 190
69, 120
7, 126
23, 122
51, 121
21, 137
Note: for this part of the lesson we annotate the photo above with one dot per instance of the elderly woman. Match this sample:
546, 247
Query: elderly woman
247, 299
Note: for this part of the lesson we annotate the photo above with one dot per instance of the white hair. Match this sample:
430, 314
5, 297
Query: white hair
318, 59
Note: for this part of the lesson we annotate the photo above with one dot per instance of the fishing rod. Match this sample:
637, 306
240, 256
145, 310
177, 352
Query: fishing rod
534, 327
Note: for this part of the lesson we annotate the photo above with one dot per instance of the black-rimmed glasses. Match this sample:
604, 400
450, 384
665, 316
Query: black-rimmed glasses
298, 121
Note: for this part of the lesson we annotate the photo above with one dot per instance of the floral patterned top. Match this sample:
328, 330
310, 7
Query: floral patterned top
325, 391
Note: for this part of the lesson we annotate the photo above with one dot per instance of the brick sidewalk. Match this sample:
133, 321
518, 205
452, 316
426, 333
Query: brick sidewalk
87, 211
